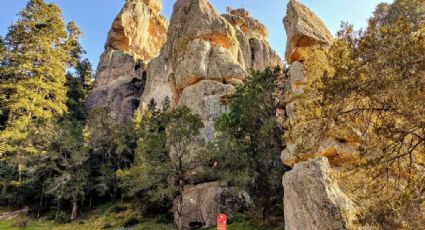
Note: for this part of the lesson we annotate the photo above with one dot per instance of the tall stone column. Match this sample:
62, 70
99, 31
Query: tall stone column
312, 197
136, 36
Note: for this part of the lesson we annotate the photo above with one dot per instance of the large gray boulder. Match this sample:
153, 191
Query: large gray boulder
313, 200
202, 203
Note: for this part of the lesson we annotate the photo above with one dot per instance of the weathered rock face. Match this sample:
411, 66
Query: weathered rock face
255, 52
138, 29
313, 200
204, 98
206, 51
202, 203
136, 36
339, 152
121, 93
304, 29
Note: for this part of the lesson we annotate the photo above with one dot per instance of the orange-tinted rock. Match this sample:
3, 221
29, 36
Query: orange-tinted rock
138, 29
303, 29
203, 46
136, 36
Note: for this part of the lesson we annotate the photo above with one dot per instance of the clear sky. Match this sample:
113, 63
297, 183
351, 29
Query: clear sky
95, 16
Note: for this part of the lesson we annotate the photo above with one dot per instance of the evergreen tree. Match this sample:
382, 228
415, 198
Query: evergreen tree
78, 86
111, 148
248, 144
39, 50
68, 157
169, 148
3, 96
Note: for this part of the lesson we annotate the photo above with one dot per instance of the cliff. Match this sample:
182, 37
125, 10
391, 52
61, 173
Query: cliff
136, 36
206, 55
313, 198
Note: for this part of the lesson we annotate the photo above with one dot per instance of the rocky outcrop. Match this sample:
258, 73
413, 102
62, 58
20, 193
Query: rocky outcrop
313, 200
255, 52
206, 51
303, 29
340, 152
202, 203
139, 29
136, 36
119, 85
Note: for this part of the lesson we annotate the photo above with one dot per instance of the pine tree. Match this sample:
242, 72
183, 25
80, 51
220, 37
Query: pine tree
248, 144
78, 86
169, 148
39, 50
3, 97
110, 149
68, 157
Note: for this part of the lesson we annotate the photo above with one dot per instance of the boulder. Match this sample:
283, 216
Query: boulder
136, 36
313, 200
202, 203
303, 29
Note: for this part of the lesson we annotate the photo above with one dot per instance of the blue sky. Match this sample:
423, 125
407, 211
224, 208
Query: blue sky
95, 16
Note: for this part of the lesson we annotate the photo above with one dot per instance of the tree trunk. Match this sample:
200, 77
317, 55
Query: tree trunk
180, 207
74, 208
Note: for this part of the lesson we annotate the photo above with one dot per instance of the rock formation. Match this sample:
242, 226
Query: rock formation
194, 62
304, 29
313, 198
206, 55
136, 36
203, 202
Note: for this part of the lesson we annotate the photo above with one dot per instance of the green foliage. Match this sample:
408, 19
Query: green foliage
3, 97
248, 143
38, 52
110, 149
412, 11
368, 89
78, 86
68, 160
378, 85
168, 150
101, 217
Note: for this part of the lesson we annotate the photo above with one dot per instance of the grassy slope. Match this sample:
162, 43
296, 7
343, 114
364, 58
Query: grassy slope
101, 218
105, 218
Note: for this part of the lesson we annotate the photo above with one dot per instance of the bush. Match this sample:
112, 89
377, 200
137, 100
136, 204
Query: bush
163, 219
118, 208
